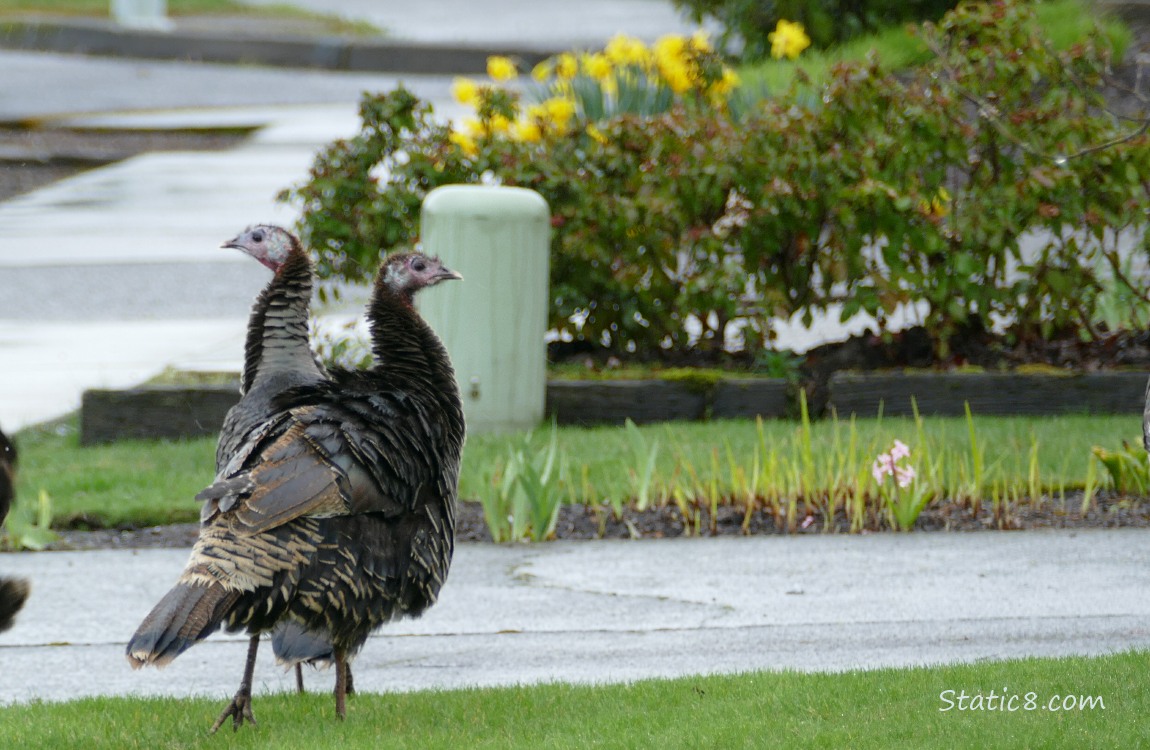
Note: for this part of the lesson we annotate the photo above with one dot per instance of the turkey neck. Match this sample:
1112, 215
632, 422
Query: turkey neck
277, 340
404, 344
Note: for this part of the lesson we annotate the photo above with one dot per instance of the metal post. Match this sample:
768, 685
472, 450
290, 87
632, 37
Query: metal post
493, 323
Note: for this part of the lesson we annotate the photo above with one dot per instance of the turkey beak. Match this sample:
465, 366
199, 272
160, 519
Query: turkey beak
234, 243
446, 273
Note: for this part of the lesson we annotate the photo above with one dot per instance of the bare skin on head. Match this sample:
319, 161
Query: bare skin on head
267, 243
406, 273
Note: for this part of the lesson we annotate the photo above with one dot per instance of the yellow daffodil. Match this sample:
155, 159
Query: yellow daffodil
788, 40
676, 74
543, 71
465, 91
527, 131
501, 68
559, 108
673, 62
536, 112
598, 66
465, 142
701, 42
626, 50
558, 112
670, 47
566, 66
727, 83
498, 124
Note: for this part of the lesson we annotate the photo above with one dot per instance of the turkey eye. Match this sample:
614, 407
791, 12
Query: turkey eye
419, 265
258, 236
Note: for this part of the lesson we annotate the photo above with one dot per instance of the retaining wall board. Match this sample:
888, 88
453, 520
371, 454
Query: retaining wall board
944, 394
191, 411
154, 412
613, 402
739, 399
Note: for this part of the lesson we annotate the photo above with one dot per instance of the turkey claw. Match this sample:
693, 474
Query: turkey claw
240, 709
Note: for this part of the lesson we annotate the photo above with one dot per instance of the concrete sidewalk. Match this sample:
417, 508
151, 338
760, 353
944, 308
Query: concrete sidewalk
618, 611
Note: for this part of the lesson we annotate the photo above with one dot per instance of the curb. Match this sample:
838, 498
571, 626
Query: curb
325, 52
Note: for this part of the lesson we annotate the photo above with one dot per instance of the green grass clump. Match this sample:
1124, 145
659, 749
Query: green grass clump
134, 482
144, 483
1064, 447
885, 708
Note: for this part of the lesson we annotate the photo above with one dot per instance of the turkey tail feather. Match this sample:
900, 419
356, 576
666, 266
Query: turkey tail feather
187, 614
293, 644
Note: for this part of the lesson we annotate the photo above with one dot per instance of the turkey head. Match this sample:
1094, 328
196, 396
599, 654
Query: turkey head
267, 243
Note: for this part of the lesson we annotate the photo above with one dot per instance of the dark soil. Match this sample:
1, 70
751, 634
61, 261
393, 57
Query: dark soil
578, 522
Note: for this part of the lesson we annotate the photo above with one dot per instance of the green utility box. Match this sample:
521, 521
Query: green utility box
493, 322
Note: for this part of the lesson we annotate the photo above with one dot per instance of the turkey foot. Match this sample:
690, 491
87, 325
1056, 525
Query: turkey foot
241, 706
240, 709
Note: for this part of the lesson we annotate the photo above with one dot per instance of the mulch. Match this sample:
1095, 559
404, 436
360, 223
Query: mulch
580, 522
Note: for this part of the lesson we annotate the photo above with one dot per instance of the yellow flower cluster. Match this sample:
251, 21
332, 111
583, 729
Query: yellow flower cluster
678, 64
675, 60
788, 40
501, 68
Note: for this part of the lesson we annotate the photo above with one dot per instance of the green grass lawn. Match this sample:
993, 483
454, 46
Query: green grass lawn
176, 8
146, 483
888, 708
102, 7
1064, 22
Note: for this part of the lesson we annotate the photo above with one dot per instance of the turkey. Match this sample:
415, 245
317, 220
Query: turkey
13, 591
276, 356
337, 513
1146, 420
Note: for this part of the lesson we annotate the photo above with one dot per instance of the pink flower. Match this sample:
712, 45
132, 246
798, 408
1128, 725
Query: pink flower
886, 464
882, 466
904, 475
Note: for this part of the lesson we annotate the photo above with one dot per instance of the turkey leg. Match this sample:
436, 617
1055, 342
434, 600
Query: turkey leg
342, 678
241, 706
350, 690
